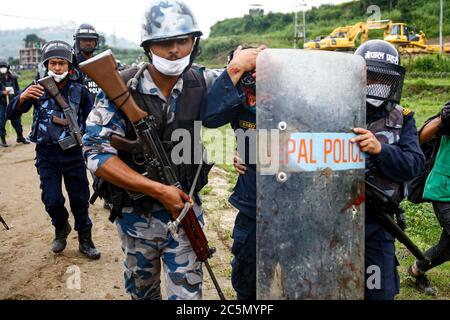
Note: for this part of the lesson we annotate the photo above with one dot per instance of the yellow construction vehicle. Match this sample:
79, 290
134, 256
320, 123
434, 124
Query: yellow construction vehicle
408, 40
344, 38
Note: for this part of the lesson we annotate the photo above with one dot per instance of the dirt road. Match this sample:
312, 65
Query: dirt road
30, 270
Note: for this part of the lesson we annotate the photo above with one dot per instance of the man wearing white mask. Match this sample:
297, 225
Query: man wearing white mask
9, 88
54, 163
172, 91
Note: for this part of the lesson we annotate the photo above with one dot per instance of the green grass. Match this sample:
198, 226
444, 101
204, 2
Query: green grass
425, 96
424, 229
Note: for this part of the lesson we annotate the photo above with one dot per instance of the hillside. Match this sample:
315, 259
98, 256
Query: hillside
277, 29
12, 40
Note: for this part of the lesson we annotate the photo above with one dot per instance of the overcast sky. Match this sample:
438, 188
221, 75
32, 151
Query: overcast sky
124, 17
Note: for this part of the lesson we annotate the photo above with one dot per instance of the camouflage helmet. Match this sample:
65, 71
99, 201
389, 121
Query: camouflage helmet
57, 49
168, 19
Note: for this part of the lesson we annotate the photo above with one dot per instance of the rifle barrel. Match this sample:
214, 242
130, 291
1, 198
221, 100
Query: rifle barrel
4, 223
214, 280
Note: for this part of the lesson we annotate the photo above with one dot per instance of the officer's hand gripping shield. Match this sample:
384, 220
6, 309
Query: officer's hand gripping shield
310, 182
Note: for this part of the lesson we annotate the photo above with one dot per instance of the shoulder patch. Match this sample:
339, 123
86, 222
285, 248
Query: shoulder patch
406, 112
247, 124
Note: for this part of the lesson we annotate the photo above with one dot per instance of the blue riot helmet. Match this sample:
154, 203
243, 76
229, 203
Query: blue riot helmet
4, 63
57, 49
385, 75
85, 31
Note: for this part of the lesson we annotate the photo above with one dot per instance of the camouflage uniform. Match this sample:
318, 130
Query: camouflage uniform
145, 238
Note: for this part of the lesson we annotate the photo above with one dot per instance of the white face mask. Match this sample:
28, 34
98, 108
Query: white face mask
3, 70
58, 77
378, 90
375, 102
169, 67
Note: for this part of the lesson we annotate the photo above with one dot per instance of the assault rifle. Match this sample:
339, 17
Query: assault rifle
3, 222
102, 69
70, 121
385, 206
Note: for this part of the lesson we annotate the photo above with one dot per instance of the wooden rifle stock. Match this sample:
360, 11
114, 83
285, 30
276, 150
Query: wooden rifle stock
102, 69
51, 87
71, 120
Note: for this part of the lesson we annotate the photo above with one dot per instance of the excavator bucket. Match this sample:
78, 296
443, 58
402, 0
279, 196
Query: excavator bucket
310, 182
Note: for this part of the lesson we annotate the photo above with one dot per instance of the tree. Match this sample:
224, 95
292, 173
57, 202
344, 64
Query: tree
13, 61
405, 8
32, 40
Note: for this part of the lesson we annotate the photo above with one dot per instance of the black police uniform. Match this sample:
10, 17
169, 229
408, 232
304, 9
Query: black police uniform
16, 123
226, 104
52, 162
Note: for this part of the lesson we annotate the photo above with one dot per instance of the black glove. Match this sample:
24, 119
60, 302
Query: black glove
445, 116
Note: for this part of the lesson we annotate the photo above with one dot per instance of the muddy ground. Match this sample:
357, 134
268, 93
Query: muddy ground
30, 270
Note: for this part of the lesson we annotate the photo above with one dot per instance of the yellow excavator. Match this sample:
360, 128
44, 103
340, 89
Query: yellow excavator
344, 38
406, 39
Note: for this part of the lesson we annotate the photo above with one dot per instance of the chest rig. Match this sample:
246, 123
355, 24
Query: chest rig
44, 130
187, 111
388, 131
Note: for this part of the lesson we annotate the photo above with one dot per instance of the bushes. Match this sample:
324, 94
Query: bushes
432, 63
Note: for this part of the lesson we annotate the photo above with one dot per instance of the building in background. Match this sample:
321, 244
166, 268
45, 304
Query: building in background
30, 55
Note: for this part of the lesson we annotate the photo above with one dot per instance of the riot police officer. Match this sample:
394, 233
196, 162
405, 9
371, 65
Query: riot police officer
9, 88
172, 92
224, 106
86, 42
393, 157
52, 162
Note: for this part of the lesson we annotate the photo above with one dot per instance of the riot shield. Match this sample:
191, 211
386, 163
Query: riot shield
310, 182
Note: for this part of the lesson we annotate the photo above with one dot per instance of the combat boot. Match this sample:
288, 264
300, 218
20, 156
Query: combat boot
60, 242
21, 139
3, 141
422, 282
87, 247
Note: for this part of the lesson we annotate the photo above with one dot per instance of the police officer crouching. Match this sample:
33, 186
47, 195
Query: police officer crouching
52, 162
393, 158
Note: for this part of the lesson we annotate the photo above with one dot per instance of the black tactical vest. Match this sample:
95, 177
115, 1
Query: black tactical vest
187, 112
388, 131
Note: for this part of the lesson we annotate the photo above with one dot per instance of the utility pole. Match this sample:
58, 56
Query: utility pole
300, 27
441, 41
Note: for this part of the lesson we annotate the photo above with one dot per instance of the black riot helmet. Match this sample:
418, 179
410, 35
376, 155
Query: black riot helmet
4, 63
57, 49
385, 75
85, 31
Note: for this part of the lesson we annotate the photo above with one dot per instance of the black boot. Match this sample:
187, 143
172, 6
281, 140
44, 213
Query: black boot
3, 141
87, 247
21, 139
59, 244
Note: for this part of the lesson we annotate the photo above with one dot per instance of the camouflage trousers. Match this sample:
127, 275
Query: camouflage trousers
148, 245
